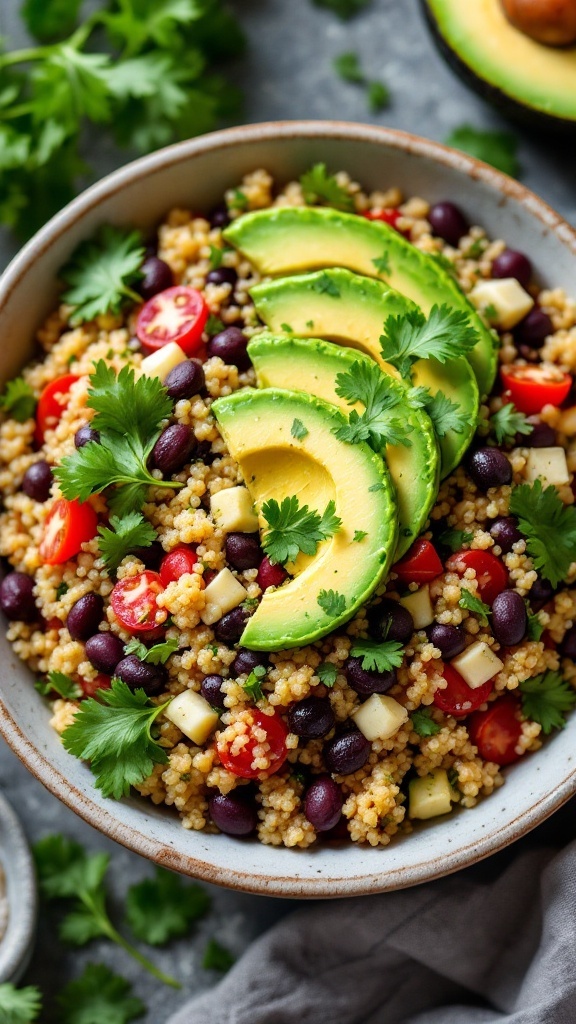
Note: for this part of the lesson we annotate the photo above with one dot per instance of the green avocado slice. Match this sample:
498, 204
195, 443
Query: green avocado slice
292, 239
311, 365
318, 468
349, 309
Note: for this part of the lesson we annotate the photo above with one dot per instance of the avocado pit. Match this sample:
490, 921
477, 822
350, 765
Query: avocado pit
552, 22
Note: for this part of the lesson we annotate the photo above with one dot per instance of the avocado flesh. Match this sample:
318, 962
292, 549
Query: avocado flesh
479, 35
256, 426
312, 365
293, 239
355, 317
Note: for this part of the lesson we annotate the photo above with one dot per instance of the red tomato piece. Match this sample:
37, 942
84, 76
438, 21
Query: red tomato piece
390, 217
532, 387
51, 404
240, 762
496, 731
178, 314
420, 564
491, 573
133, 601
176, 563
90, 687
458, 698
68, 526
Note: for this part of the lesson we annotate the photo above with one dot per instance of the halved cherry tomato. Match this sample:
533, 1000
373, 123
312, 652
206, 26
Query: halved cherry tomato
51, 404
133, 601
68, 526
178, 314
420, 564
90, 687
176, 563
240, 762
458, 698
390, 217
491, 574
496, 731
532, 387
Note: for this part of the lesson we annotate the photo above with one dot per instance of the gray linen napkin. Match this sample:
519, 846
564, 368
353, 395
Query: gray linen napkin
495, 943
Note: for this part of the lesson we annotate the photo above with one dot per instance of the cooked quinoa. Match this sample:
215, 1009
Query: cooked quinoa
375, 796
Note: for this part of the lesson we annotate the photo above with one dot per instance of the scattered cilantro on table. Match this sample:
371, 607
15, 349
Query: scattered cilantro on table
253, 686
293, 528
158, 654
378, 655
347, 66
364, 382
101, 273
446, 334
217, 957
327, 673
496, 148
99, 996
423, 723
474, 604
546, 699
18, 400
507, 422
378, 96
445, 414
128, 532
60, 684
549, 527
19, 1005
163, 908
455, 539
332, 602
320, 187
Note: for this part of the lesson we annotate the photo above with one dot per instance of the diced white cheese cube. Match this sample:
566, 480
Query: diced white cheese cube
504, 302
420, 607
380, 717
548, 465
430, 795
223, 594
477, 664
159, 363
233, 510
193, 716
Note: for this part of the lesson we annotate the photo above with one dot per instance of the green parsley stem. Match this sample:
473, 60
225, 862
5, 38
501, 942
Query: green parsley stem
24, 56
130, 294
11, 113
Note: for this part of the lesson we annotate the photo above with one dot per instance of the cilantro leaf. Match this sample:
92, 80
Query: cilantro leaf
496, 148
320, 187
163, 908
326, 286
62, 589
215, 257
347, 65
19, 1005
217, 957
298, 430
101, 273
252, 685
445, 335
331, 602
343, 8
377, 655
61, 684
158, 654
423, 723
129, 532
546, 699
141, 22
549, 527
359, 536
474, 604
18, 400
535, 628
382, 263
507, 422
99, 997
293, 527
447, 416
378, 96
50, 19
364, 382
455, 539
327, 673
214, 325
114, 734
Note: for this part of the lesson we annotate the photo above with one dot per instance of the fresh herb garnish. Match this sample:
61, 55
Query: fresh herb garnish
320, 187
378, 655
423, 723
215, 257
293, 528
549, 527
378, 96
239, 201
474, 604
496, 148
101, 273
358, 536
507, 422
163, 908
298, 430
213, 325
128, 532
382, 263
447, 416
287, 329
332, 602
347, 65
327, 673
158, 654
19, 1005
343, 8
18, 400
114, 734
58, 682
252, 685
546, 699
326, 286
445, 335
61, 590
217, 957
490, 312
454, 539
535, 628
364, 382
99, 996
128, 417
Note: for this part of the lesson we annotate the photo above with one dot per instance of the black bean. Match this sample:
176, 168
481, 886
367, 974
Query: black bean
174, 448
222, 275
233, 814
511, 263
311, 718
157, 277
211, 690
568, 645
243, 550
533, 329
104, 651
37, 481
150, 556
489, 467
17, 597
505, 532
390, 621
230, 627
347, 753
231, 346
542, 436
541, 592
86, 434
365, 682
247, 660
85, 616
204, 453
141, 675
450, 640
323, 803
509, 618
186, 380
219, 216
448, 221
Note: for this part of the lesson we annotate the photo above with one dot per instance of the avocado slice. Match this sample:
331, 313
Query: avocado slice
317, 467
291, 239
513, 71
312, 365
350, 310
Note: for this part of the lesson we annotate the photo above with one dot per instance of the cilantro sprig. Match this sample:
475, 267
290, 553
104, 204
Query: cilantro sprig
320, 187
331, 602
546, 699
447, 416
446, 334
18, 400
327, 673
423, 723
474, 604
217, 957
158, 654
377, 655
128, 532
61, 684
549, 527
455, 539
496, 148
101, 273
99, 996
507, 422
293, 528
365, 383
19, 1005
163, 908
253, 684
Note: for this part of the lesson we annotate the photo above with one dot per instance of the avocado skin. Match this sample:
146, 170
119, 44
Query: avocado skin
524, 114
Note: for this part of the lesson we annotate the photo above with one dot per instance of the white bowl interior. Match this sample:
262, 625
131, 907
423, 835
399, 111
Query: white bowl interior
195, 175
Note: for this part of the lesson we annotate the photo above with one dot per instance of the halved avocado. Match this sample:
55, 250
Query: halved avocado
291, 239
524, 77
350, 309
311, 365
317, 467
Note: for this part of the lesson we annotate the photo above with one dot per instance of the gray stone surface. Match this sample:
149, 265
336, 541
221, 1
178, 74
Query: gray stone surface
287, 74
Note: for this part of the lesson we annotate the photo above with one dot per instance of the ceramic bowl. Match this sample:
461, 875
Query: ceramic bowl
17, 943
195, 174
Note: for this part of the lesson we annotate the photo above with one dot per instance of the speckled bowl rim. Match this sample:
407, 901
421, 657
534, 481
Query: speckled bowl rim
79, 800
17, 944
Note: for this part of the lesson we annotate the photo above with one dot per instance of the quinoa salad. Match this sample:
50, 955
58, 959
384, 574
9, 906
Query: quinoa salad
288, 512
